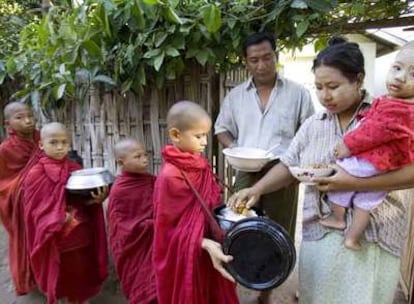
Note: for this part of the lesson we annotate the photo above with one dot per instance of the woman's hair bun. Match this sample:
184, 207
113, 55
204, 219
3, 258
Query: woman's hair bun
337, 40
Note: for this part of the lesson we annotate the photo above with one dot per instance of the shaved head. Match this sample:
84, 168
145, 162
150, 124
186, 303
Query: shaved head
184, 114
11, 108
125, 146
51, 129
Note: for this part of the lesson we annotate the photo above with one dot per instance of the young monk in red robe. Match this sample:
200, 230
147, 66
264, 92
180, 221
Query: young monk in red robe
188, 262
66, 234
130, 222
18, 153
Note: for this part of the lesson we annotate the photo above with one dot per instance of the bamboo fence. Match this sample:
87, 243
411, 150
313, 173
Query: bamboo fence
105, 117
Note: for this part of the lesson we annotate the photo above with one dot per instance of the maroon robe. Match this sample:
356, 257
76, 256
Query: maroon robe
17, 156
131, 231
184, 272
68, 258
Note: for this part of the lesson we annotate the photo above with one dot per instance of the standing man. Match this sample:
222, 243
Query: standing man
263, 111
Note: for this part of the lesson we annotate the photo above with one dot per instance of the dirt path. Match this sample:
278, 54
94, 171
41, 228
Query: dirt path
284, 294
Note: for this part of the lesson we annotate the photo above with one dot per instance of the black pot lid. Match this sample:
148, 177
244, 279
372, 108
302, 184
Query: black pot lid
263, 253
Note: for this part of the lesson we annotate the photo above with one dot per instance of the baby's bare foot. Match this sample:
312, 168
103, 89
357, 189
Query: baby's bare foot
352, 244
333, 222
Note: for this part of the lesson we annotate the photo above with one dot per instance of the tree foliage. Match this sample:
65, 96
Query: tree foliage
128, 44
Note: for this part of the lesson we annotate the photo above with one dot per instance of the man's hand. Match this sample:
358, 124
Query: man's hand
245, 197
99, 196
218, 257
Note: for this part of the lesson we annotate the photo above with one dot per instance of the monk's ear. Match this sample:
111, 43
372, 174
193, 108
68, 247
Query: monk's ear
120, 161
6, 123
40, 145
174, 135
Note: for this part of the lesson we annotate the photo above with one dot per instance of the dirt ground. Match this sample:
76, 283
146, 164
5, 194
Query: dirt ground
284, 294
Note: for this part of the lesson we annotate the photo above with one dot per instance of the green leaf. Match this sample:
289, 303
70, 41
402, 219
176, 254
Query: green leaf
212, 18
59, 91
158, 61
160, 38
179, 42
35, 97
62, 69
151, 2
173, 3
138, 16
302, 27
11, 65
231, 23
92, 48
172, 16
141, 75
358, 8
300, 4
320, 44
322, 5
3, 74
172, 52
171, 74
152, 53
202, 56
104, 79
126, 86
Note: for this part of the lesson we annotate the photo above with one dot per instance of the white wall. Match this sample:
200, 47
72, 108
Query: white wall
383, 63
298, 66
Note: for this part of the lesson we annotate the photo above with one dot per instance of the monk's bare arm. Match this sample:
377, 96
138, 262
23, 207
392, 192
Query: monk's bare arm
394, 180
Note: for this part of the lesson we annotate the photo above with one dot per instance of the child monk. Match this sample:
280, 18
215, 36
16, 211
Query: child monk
130, 221
188, 262
18, 153
66, 234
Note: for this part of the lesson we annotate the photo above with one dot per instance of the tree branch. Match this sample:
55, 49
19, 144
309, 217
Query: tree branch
372, 24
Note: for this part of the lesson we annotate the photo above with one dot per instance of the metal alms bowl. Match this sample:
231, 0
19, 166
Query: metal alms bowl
86, 180
225, 222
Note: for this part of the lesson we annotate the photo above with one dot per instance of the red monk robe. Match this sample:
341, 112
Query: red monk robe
69, 259
131, 231
17, 156
183, 270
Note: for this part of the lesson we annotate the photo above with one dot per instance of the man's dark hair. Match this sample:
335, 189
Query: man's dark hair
257, 38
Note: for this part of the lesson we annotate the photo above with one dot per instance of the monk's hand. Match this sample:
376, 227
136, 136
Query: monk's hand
341, 150
68, 217
339, 181
218, 258
244, 198
99, 196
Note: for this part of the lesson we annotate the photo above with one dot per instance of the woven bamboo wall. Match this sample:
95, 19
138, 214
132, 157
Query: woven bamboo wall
106, 117
228, 81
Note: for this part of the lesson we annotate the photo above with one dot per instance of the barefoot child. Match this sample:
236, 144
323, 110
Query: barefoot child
65, 233
383, 141
187, 260
18, 153
130, 221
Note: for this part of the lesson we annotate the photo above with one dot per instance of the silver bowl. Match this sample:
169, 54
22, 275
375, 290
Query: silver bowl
221, 214
85, 181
